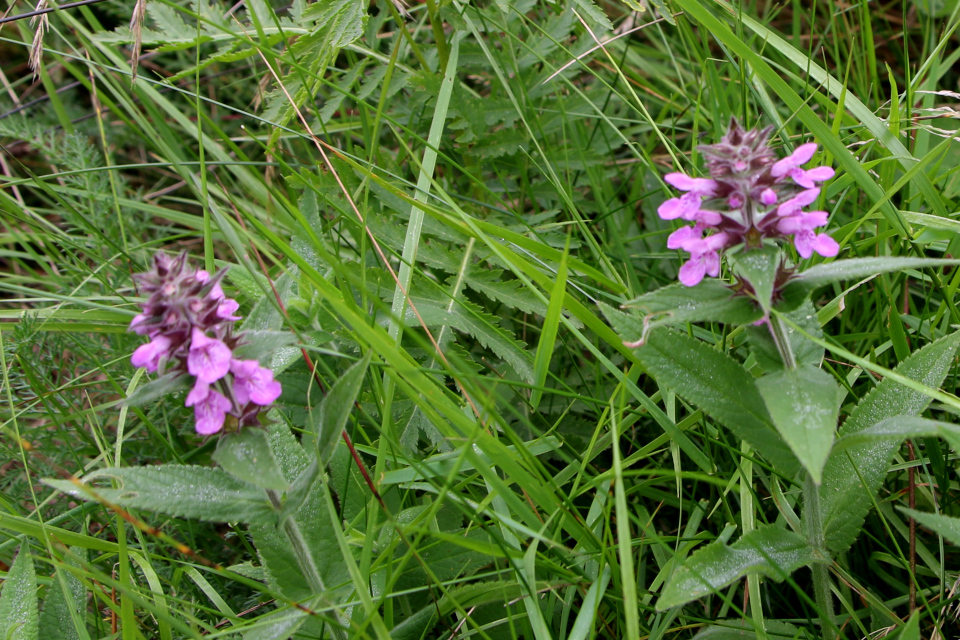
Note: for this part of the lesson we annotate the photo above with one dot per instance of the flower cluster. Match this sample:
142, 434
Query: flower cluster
190, 324
751, 195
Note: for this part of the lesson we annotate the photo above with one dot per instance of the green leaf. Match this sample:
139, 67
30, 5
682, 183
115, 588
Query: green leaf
260, 345
314, 523
857, 269
162, 386
548, 334
944, 526
492, 284
709, 301
335, 409
276, 625
720, 386
19, 619
468, 318
212, 495
246, 455
595, 13
805, 351
853, 476
804, 404
759, 268
745, 630
299, 490
56, 620
768, 550
898, 428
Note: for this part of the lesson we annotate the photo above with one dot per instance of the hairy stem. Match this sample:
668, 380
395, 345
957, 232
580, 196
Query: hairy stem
779, 333
821, 574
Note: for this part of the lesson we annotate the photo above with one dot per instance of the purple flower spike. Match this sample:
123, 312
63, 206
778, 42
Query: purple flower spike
209, 358
807, 242
149, 355
253, 383
704, 259
209, 409
790, 166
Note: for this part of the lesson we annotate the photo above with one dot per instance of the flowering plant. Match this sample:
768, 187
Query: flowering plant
189, 321
780, 402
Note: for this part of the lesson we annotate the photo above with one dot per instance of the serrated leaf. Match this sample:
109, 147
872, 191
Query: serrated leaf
768, 550
805, 351
156, 389
333, 24
56, 620
261, 345
19, 618
804, 403
508, 292
182, 491
720, 386
589, 9
247, 455
846, 498
709, 301
468, 318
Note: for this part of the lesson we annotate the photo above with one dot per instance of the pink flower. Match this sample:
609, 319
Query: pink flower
804, 239
769, 197
704, 259
253, 383
683, 236
688, 205
209, 408
209, 358
793, 206
149, 355
226, 309
790, 166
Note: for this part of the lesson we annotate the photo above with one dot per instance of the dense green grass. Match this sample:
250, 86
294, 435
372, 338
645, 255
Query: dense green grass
505, 172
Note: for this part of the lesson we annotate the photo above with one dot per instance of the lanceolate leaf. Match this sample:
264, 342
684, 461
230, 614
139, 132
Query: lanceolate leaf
19, 619
898, 428
182, 491
759, 268
332, 415
720, 386
945, 526
746, 630
858, 268
846, 498
56, 620
768, 550
804, 403
709, 301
